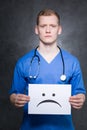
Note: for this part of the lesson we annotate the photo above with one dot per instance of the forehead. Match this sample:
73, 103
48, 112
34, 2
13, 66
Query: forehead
48, 19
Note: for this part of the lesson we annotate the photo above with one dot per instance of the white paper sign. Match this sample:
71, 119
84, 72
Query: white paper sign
49, 99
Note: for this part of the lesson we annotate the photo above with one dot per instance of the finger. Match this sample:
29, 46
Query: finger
77, 105
78, 97
76, 101
75, 98
21, 100
20, 103
21, 97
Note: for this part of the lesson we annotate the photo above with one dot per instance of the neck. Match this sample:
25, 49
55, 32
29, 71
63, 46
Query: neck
48, 49
48, 52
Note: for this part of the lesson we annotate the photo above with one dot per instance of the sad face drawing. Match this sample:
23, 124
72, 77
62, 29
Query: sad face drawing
49, 99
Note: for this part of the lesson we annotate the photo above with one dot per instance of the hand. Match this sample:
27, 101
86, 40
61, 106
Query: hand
77, 101
19, 100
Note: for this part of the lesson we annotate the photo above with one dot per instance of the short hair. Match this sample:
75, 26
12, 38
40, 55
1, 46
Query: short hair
47, 12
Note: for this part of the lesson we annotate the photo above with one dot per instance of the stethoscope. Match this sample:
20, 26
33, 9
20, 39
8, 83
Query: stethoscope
62, 77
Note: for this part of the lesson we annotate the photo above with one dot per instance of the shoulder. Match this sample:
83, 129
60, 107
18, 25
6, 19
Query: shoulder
26, 56
25, 59
70, 60
68, 56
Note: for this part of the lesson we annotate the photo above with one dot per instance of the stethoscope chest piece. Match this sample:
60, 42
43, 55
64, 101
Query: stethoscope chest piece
63, 77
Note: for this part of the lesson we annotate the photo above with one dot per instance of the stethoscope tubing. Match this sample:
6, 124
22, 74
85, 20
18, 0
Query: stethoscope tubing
62, 60
62, 77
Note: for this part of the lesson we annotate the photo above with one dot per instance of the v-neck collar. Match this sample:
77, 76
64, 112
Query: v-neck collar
45, 59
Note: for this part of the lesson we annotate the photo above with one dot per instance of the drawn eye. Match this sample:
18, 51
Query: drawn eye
43, 94
53, 94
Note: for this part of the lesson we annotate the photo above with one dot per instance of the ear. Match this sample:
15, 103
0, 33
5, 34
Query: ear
36, 29
59, 30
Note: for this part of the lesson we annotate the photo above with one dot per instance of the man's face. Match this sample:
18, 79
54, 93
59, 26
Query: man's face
48, 29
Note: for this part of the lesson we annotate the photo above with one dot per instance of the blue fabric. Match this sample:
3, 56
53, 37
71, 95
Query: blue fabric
49, 73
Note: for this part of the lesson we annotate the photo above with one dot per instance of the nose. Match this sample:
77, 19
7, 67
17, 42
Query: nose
48, 29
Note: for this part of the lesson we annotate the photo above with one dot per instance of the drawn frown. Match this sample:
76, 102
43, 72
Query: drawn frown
49, 100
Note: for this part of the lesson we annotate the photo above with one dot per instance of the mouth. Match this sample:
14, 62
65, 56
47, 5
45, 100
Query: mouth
48, 101
48, 36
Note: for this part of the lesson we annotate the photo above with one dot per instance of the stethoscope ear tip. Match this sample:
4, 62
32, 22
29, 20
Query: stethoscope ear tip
32, 77
63, 77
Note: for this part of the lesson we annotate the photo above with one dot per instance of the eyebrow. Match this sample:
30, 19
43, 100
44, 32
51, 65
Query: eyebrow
47, 24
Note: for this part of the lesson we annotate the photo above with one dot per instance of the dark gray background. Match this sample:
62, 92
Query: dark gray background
17, 21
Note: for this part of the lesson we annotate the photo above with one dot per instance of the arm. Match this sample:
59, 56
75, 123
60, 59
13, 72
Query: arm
17, 96
78, 90
19, 100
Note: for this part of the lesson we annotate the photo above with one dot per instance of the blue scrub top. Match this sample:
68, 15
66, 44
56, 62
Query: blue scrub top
49, 73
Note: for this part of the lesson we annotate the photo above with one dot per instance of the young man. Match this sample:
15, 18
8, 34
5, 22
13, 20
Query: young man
49, 72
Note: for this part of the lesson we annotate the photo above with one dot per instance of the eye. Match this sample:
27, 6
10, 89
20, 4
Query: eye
43, 94
53, 94
42, 26
52, 25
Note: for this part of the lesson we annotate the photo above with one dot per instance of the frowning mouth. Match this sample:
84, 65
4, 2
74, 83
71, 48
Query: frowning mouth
48, 101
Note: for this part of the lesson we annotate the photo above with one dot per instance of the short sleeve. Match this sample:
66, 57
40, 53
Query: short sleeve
18, 82
77, 79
